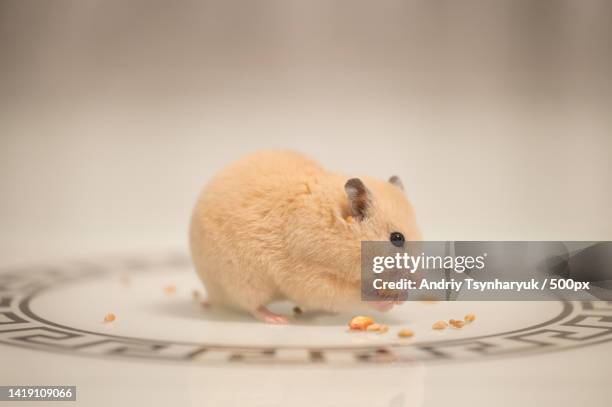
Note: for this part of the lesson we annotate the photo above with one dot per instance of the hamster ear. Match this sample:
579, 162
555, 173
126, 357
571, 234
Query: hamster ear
394, 180
359, 197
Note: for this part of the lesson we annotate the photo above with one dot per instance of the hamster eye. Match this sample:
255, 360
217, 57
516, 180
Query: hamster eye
397, 239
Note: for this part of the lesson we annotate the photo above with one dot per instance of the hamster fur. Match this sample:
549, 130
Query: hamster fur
276, 225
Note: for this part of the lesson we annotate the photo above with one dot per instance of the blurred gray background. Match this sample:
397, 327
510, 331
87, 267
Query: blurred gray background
113, 114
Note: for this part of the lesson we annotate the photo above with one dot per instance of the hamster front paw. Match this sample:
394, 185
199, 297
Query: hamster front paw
270, 317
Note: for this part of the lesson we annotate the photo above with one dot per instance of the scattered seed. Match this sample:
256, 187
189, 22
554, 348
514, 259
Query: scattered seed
110, 317
470, 318
349, 219
405, 333
297, 310
380, 328
440, 325
170, 289
373, 328
360, 323
456, 323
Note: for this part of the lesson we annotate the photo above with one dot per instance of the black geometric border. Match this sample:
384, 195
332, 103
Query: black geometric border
578, 324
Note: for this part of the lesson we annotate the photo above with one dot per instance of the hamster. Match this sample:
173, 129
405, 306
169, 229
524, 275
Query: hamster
277, 226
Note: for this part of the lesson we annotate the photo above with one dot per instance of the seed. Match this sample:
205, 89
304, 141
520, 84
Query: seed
440, 325
470, 318
456, 323
349, 219
405, 333
170, 289
297, 310
110, 317
373, 328
380, 328
360, 323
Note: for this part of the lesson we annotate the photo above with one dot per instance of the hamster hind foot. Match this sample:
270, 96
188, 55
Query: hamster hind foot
264, 314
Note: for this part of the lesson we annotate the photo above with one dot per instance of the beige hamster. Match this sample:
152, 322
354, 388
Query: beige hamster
276, 225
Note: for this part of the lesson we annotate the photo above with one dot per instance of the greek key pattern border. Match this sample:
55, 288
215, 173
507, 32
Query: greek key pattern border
578, 324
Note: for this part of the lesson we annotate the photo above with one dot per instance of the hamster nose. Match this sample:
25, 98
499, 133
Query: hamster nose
382, 306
